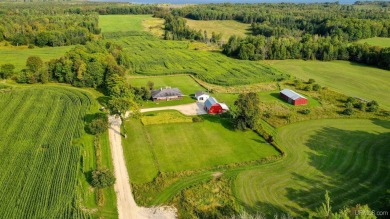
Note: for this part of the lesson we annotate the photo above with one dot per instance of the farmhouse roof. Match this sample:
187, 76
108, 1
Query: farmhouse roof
167, 92
224, 106
209, 102
291, 94
200, 93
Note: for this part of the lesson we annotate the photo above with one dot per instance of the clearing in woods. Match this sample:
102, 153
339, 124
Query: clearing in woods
349, 78
17, 55
225, 27
39, 164
350, 158
377, 41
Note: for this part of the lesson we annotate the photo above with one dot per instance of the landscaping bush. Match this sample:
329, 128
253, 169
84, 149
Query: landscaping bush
308, 88
305, 111
197, 119
348, 112
311, 81
316, 87
102, 178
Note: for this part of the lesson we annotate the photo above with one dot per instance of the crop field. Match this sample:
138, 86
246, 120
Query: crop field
377, 41
345, 77
226, 27
152, 56
39, 164
179, 147
350, 158
18, 55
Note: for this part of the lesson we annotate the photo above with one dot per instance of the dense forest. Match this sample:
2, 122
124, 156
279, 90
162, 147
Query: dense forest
293, 31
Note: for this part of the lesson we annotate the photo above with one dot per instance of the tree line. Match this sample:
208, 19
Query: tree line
48, 30
308, 48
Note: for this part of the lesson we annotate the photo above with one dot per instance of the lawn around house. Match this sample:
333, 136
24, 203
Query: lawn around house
179, 147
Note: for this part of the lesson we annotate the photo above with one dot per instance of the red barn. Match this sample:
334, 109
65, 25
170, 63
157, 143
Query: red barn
212, 106
293, 97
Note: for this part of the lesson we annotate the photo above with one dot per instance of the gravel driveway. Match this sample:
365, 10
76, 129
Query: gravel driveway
187, 109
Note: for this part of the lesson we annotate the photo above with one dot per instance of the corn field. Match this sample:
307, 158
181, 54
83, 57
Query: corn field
39, 164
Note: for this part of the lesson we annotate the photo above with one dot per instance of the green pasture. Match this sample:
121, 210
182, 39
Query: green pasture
225, 27
164, 117
377, 41
18, 55
122, 23
188, 146
350, 158
349, 78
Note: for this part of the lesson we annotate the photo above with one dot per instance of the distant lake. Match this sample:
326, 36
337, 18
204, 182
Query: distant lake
231, 1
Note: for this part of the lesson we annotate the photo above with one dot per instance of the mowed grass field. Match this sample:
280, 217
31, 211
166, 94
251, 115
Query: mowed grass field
122, 23
39, 164
185, 146
349, 78
225, 27
350, 158
18, 55
377, 41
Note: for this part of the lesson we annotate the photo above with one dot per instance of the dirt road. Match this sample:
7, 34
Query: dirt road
187, 109
127, 208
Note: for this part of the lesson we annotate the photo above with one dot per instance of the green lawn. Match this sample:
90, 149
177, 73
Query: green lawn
349, 78
377, 41
18, 55
226, 27
350, 158
122, 23
188, 146
185, 83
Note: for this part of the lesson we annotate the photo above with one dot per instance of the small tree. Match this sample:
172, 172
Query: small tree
248, 111
150, 85
325, 211
34, 63
6, 70
98, 126
102, 178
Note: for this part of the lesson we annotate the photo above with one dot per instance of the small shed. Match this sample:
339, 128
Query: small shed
167, 94
201, 96
293, 97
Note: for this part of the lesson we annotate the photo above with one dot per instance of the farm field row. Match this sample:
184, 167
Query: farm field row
39, 164
153, 56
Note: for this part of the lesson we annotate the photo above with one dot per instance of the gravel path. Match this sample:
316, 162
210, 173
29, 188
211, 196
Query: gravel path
187, 109
127, 208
